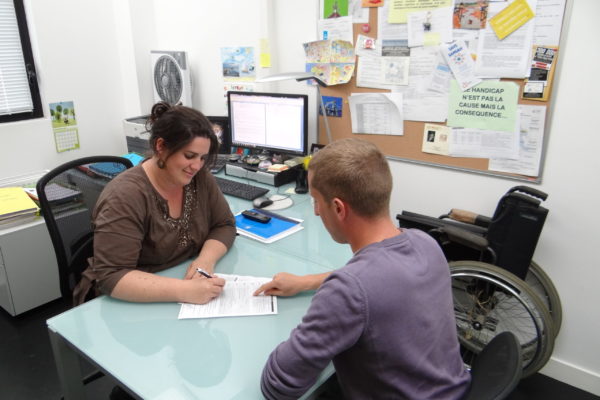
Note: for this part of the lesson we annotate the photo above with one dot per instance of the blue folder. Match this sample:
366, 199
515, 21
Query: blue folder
278, 224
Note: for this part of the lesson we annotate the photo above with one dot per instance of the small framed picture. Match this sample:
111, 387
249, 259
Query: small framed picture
315, 148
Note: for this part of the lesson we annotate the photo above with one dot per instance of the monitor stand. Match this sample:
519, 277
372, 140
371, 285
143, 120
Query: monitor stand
253, 173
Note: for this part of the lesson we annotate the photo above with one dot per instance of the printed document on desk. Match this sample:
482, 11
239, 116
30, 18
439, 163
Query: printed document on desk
277, 228
236, 300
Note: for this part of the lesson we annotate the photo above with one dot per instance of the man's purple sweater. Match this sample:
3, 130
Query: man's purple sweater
386, 320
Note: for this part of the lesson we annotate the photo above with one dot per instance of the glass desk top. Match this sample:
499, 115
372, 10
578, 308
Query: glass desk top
157, 356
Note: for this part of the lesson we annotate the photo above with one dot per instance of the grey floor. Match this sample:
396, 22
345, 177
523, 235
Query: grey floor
27, 366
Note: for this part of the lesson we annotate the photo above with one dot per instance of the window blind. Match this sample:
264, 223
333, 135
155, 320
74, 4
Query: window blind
15, 95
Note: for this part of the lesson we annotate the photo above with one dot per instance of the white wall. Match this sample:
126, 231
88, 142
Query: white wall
85, 51
203, 28
77, 57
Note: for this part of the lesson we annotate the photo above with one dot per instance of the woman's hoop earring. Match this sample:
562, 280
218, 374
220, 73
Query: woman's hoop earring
160, 164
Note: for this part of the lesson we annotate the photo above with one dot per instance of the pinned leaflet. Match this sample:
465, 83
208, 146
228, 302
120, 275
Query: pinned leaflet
459, 60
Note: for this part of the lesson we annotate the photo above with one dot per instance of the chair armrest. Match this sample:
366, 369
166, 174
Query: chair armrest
469, 217
466, 238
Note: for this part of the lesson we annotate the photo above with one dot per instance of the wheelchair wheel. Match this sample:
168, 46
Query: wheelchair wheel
541, 284
489, 300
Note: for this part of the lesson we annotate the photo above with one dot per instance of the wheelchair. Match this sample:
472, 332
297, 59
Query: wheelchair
496, 285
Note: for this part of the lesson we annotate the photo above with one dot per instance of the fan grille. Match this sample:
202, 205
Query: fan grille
168, 80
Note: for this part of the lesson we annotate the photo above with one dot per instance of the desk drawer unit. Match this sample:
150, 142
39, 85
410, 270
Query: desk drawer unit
28, 269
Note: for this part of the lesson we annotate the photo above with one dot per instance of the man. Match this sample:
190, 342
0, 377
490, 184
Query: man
386, 318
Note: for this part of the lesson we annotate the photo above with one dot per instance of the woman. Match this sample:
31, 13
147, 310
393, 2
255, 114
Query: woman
160, 213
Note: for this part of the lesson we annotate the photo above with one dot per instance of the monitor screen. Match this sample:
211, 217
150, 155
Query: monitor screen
274, 122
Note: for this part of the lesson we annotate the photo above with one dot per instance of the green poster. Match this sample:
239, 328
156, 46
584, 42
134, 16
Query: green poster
335, 8
489, 105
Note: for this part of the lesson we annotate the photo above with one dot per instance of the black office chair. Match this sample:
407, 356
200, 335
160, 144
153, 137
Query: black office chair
67, 197
496, 371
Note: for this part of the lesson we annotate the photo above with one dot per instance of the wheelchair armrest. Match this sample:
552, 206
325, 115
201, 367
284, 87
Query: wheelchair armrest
465, 238
469, 217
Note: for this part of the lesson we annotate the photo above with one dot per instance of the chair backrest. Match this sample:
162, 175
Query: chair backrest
515, 228
67, 196
497, 369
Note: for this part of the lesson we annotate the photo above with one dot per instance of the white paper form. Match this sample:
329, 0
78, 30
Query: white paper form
469, 36
336, 29
440, 77
369, 72
507, 58
548, 22
360, 14
376, 113
530, 144
420, 104
393, 37
382, 72
423, 61
237, 299
440, 27
395, 70
479, 143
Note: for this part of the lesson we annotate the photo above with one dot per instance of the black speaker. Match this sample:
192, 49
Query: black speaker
301, 182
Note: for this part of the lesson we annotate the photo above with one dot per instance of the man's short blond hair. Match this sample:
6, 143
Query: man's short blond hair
355, 171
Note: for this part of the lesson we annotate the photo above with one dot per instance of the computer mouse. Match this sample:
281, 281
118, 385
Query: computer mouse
261, 202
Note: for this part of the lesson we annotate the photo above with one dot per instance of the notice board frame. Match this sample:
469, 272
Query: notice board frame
407, 148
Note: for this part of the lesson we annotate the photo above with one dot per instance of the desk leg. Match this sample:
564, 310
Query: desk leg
68, 367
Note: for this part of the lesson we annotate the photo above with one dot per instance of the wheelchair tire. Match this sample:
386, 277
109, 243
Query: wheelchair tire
489, 300
540, 282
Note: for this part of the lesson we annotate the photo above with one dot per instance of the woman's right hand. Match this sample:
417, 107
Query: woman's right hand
202, 290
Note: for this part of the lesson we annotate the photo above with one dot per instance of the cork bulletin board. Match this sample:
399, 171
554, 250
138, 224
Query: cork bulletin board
408, 147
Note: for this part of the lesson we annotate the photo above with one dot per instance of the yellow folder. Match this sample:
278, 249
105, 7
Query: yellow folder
15, 201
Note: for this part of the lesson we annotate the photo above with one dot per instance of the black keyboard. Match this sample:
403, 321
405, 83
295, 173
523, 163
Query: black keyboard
219, 163
239, 189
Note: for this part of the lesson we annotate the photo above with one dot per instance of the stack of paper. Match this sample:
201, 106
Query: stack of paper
278, 227
15, 206
236, 300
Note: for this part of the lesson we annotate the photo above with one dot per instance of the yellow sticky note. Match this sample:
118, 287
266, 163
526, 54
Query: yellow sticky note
431, 39
511, 18
265, 53
398, 9
265, 60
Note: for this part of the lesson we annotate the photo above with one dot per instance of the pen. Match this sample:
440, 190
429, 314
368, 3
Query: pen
203, 272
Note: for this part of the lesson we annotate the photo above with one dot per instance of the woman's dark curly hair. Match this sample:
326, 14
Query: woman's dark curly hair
178, 125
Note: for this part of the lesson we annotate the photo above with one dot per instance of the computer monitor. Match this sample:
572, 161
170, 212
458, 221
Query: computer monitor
275, 122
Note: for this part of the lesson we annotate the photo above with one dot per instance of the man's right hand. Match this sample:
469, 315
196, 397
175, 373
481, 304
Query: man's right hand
286, 284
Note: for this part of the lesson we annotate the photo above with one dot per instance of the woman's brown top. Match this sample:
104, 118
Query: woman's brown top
133, 229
